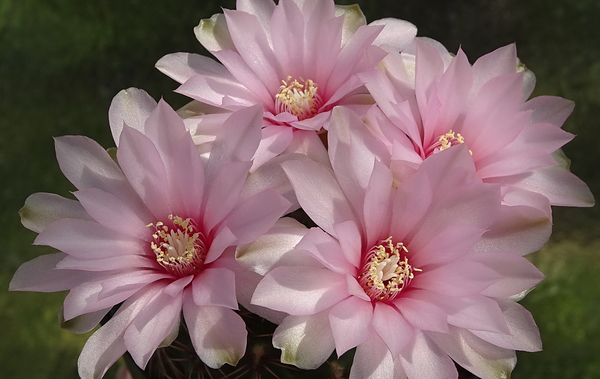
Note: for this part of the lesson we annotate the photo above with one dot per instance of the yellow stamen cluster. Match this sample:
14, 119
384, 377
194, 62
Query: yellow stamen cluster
180, 248
298, 97
384, 272
445, 141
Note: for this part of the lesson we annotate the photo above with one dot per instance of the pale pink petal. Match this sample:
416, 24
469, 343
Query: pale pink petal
560, 186
426, 360
350, 240
501, 61
313, 290
519, 274
483, 359
130, 107
107, 345
218, 334
41, 209
265, 251
253, 217
396, 34
213, 34
376, 208
115, 214
221, 241
350, 322
422, 313
262, 9
319, 194
217, 91
40, 275
237, 140
182, 66
353, 19
372, 360
223, 192
84, 323
523, 333
549, 109
88, 239
151, 326
310, 145
459, 278
392, 328
305, 341
287, 20
215, 287
116, 262
145, 171
476, 313
274, 141
326, 250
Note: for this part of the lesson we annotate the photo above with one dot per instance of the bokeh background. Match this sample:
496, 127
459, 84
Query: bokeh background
62, 61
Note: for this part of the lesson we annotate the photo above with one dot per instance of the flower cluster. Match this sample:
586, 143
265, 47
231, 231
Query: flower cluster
426, 180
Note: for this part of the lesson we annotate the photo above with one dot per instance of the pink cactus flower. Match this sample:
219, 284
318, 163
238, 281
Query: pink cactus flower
297, 58
429, 100
393, 269
155, 233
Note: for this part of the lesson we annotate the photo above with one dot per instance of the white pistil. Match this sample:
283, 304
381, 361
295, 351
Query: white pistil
298, 97
384, 272
180, 248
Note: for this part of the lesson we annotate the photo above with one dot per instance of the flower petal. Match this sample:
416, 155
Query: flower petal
41, 209
132, 107
350, 322
215, 287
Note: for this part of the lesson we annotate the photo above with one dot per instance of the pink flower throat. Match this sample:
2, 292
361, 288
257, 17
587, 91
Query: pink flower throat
180, 247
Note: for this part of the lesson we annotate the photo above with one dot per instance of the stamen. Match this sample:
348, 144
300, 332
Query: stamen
180, 249
298, 97
445, 141
384, 272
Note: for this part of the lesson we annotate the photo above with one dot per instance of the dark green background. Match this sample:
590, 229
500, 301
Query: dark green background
62, 61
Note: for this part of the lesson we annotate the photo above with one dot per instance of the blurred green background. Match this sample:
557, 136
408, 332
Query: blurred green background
62, 61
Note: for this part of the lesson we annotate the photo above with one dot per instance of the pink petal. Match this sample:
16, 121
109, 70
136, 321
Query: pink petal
350, 240
312, 289
305, 341
372, 360
151, 326
319, 194
549, 109
117, 262
84, 323
501, 61
476, 313
213, 33
132, 107
275, 139
327, 250
217, 91
264, 252
518, 273
145, 171
41, 209
421, 313
376, 208
255, 216
221, 241
350, 322
218, 334
41, 275
392, 328
215, 287
426, 360
107, 345
88, 239
396, 33
523, 333
483, 359
183, 66
115, 214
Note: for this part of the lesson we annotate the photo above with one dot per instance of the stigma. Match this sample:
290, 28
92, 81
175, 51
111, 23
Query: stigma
299, 97
179, 246
386, 271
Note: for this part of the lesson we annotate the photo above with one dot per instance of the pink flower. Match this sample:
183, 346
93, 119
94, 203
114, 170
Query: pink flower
155, 233
297, 58
393, 269
428, 101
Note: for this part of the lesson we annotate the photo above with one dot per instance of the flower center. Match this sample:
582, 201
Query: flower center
298, 97
445, 141
384, 272
179, 248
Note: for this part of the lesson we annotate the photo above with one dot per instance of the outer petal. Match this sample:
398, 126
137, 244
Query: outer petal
392, 328
218, 334
483, 359
215, 287
132, 107
396, 34
426, 360
305, 341
41, 209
